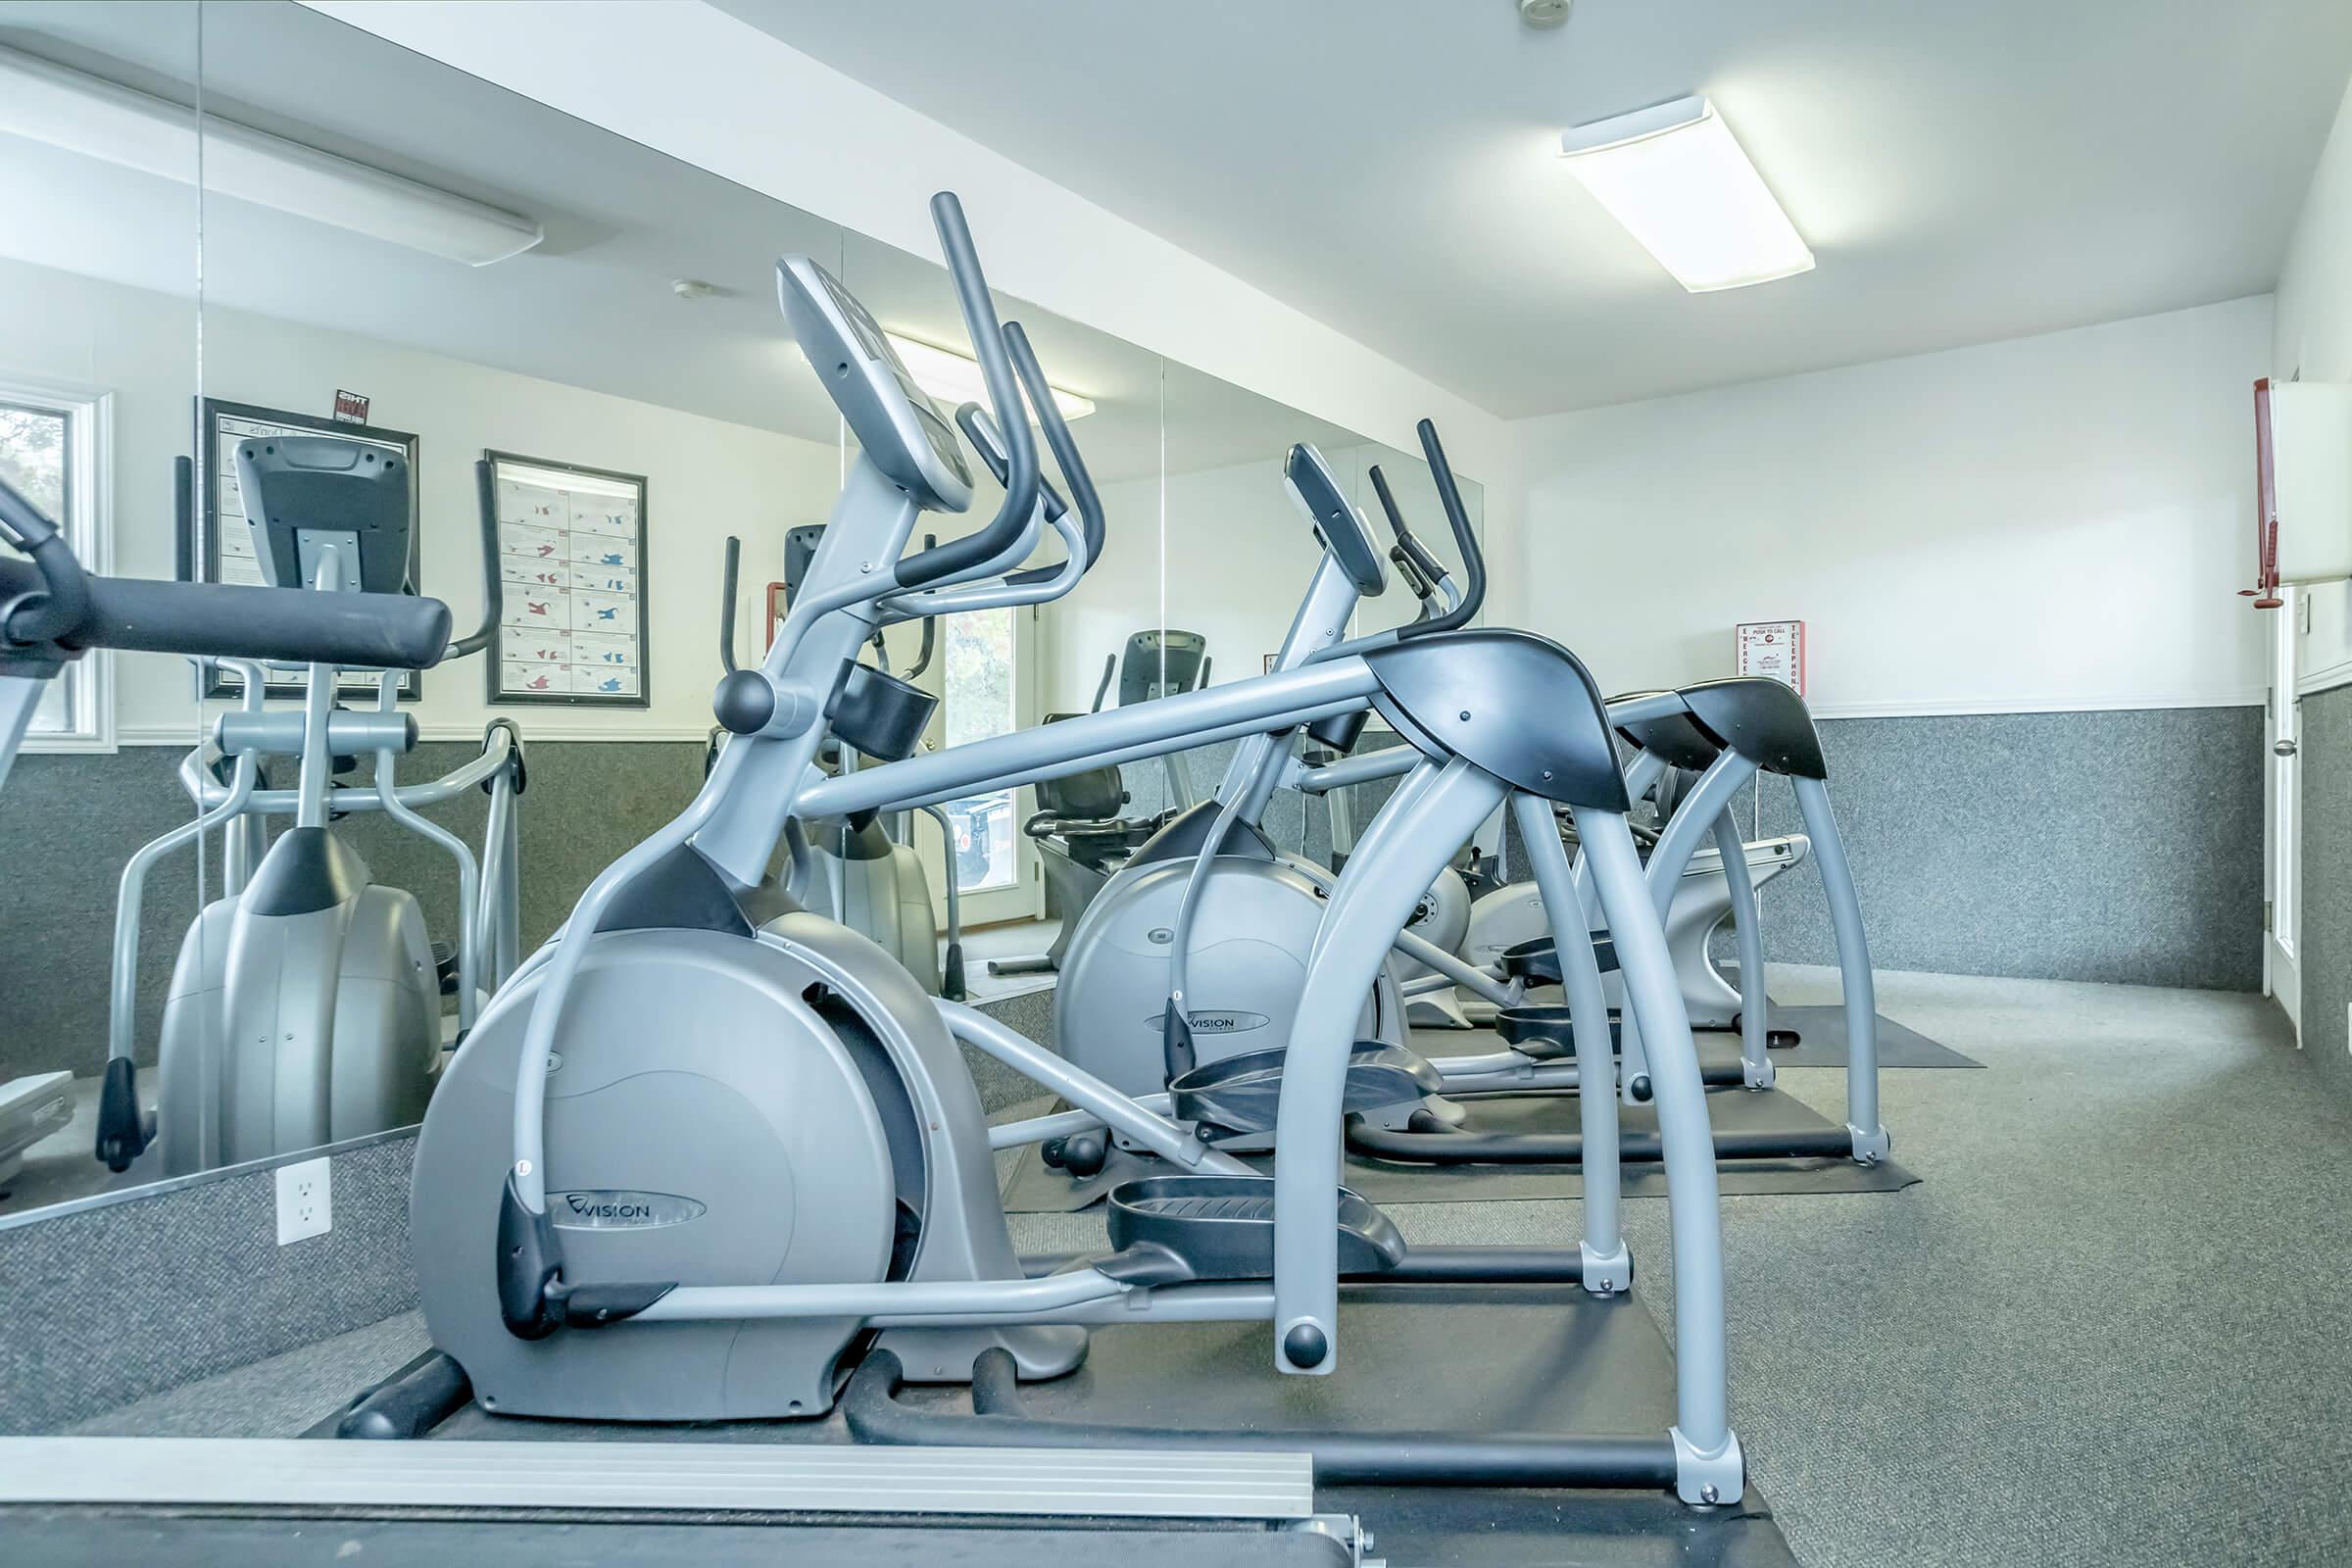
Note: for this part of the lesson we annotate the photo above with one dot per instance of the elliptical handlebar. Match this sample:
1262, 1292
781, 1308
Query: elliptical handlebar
1421, 570
981, 431
1066, 455
494, 587
63, 601
729, 576
1005, 528
1474, 561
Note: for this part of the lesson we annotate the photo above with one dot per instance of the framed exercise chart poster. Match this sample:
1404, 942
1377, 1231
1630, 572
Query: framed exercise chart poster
223, 549
571, 570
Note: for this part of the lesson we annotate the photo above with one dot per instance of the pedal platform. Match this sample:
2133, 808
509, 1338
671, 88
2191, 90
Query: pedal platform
1168, 1230
1243, 1094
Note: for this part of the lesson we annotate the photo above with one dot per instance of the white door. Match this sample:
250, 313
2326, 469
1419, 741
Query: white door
988, 675
2283, 794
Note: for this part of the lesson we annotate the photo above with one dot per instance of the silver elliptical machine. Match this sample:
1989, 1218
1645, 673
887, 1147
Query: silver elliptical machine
711, 1157
305, 1006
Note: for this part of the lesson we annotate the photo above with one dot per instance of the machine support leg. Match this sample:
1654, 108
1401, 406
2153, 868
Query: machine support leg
1755, 1062
1870, 1143
1707, 1452
1608, 1267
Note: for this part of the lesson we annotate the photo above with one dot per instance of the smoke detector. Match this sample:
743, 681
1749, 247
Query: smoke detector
1543, 16
692, 288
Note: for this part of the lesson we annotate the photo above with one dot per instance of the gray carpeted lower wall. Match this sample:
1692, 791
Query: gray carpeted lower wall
2324, 933
77, 819
2118, 846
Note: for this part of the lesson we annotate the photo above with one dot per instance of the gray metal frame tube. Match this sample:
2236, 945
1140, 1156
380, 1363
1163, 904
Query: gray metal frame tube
1406, 846
131, 892
1096, 739
1755, 1063
1083, 1090
1589, 1018
1853, 969
1694, 1208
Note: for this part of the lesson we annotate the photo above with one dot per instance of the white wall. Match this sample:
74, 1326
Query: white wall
689, 80
2049, 523
706, 479
2312, 341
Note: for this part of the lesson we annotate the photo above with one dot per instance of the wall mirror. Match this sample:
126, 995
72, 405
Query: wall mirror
500, 284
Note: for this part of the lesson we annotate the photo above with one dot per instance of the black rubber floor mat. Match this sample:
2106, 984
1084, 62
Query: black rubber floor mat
1034, 1187
1820, 1041
1467, 1358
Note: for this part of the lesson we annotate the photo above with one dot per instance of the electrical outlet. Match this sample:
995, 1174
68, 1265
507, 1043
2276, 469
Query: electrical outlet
306, 1201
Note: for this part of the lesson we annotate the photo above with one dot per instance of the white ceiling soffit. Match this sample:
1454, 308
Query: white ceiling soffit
621, 223
1963, 172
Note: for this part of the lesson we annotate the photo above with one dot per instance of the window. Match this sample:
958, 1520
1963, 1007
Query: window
53, 448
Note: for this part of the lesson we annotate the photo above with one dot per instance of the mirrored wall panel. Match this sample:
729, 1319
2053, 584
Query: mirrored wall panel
265, 324
99, 155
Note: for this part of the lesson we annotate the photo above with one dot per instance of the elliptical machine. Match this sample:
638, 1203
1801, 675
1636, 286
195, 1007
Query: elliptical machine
709, 1156
1081, 837
305, 1005
51, 612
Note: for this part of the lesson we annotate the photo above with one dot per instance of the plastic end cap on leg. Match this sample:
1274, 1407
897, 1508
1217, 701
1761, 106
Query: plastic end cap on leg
1306, 1345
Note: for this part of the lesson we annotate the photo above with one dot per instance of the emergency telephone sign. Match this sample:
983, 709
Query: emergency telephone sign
1774, 650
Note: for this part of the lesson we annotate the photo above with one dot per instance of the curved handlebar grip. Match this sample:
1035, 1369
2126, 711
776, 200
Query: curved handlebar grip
61, 601
922, 655
229, 621
1474, 594
726, 604
1110, 667
1065, 453
494, 587
1005, 529
1425, 570
981, 431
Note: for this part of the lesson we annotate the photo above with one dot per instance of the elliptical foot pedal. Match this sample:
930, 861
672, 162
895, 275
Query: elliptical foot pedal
1243, 1094
1170, 1230
1541, 1034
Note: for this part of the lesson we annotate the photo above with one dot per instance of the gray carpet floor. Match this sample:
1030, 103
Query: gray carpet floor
2110, 1327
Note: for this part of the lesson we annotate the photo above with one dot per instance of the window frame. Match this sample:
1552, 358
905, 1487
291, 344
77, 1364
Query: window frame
88, 526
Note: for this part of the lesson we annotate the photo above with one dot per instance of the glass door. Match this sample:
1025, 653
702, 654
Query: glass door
987, 674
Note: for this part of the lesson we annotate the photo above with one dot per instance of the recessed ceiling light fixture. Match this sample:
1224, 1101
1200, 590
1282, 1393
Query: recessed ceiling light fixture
956, 379
104, 119
1673, 175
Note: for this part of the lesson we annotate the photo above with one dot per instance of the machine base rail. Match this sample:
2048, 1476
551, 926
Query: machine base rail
1341, 1458
1568, 1148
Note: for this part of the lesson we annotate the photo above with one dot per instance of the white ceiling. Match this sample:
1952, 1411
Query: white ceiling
1964, 170
589, 306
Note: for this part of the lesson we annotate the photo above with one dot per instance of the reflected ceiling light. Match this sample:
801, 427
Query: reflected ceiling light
1676, 179
956, 380
99, 119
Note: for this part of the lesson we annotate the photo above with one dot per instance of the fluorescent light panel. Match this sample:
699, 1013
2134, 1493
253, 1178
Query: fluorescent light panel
956, 380
1676, 177
103, 120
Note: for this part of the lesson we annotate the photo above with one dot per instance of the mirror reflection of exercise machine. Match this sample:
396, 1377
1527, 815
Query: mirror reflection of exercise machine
869, 877
1081, 834
305, 1007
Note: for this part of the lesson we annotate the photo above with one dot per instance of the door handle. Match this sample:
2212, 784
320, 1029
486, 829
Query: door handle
2283, 747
